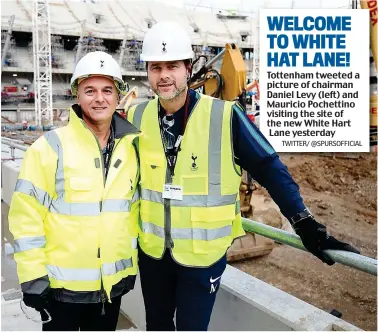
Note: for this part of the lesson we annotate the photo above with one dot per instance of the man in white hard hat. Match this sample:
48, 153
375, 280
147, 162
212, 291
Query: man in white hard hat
191, 154
75, 209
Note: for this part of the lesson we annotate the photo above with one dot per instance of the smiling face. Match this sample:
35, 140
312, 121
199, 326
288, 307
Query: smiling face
168, 79
98, 98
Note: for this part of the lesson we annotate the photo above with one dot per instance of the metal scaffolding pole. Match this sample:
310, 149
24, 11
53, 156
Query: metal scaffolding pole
7, 41
123, 47
205, 46
80, 43
42, 63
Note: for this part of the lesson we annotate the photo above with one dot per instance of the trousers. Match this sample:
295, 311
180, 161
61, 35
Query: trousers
82, 316
169, 288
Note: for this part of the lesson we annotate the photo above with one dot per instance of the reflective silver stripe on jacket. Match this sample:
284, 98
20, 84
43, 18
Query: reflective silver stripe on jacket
53, 139
188, 233
68, 274
73, 209
190, 200
71, 274
215, 146
116, 205
59, 205
135, 196
112, 268
237, 207
26, 187
28, 243
137, 119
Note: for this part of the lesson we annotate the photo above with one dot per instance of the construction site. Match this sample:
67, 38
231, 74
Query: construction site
41, 43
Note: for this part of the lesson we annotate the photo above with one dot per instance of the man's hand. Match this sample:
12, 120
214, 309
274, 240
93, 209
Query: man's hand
315, 239
38, 301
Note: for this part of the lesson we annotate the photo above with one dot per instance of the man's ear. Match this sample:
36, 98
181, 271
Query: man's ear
188, 72
188, 69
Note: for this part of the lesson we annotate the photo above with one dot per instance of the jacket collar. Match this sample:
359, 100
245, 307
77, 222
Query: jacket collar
121, 126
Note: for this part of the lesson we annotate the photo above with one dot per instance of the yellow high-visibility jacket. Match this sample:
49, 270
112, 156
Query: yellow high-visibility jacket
71, 225
199, 228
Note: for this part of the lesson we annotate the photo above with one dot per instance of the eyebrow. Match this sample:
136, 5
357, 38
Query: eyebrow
92, 87
167, 63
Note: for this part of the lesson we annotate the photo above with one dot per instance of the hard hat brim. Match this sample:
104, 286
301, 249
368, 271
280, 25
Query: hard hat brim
163, 57
121, 86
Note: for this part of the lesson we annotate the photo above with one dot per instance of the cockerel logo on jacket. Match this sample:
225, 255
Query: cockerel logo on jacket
194, 165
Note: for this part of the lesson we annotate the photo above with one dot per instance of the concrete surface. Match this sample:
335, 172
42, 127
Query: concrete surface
13, 319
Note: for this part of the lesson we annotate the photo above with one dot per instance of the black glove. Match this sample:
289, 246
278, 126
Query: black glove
315, 239
38, 301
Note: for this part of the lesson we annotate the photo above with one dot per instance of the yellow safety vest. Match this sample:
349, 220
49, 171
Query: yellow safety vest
66, 223
199, 228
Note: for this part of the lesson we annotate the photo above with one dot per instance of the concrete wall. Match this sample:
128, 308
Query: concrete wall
9, 175
243, 302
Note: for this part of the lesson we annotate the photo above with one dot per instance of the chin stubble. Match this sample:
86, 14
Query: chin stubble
174, 95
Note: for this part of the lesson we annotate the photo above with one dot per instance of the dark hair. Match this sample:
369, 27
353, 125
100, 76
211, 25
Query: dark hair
187, 62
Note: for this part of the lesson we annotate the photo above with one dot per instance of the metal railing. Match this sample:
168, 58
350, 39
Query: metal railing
13, 145
347, 258
359, 262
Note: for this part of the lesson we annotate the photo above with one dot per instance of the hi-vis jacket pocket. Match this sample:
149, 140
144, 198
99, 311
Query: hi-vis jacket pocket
212, 228
153, 172
82, 189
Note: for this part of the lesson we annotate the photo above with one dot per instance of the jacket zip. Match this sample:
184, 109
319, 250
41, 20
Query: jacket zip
103, 296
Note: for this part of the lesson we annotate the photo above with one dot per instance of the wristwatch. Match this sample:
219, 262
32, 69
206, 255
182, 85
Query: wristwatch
300, 216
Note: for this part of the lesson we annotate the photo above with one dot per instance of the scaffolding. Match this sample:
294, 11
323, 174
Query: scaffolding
58, 54
122, 49
131, 51
8, 45
42, 63
88, 43
92, 44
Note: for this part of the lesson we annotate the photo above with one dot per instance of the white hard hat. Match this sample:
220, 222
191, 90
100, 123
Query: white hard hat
166, 41
98, 63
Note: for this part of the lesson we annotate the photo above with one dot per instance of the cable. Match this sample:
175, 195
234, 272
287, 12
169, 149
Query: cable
218, 92
200, 72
